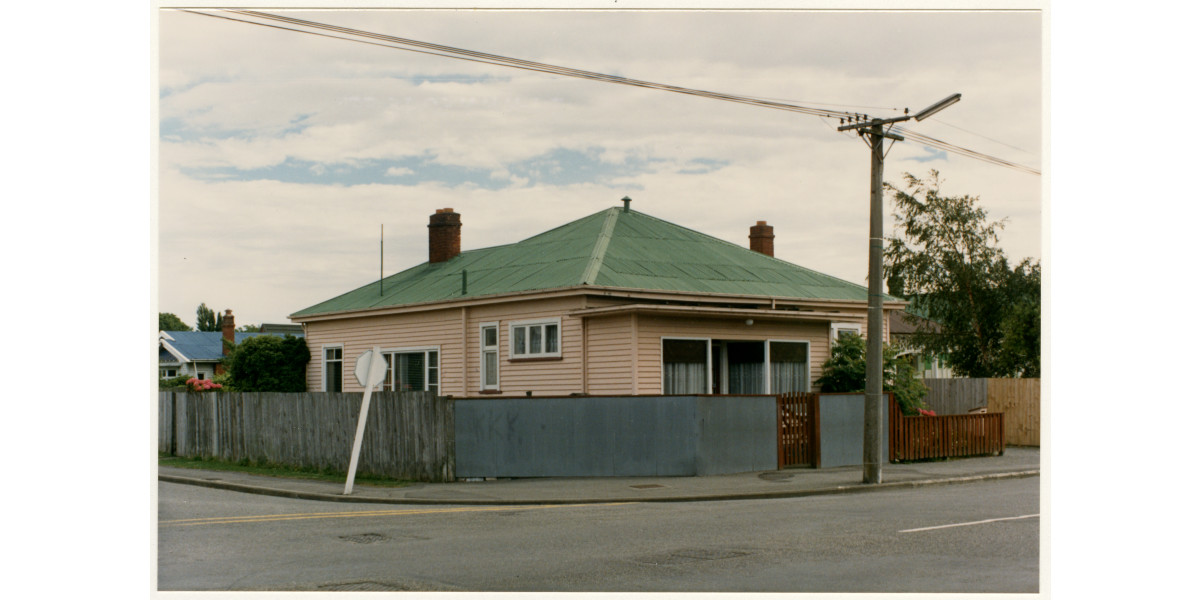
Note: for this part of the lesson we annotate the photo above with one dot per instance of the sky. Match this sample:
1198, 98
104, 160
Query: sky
281, 155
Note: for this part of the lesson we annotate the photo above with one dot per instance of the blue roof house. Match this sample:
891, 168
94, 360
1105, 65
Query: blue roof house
199, 353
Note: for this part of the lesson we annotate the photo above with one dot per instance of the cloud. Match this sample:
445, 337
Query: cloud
281, 154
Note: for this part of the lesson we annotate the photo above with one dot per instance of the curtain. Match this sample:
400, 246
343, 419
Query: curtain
788, 368
684, 378
746, 378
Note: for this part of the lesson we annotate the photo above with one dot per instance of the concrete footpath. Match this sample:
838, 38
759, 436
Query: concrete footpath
1015, 462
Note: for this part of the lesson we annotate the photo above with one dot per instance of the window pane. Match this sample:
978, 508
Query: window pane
685, 366
489, 336
685, 351
551, 338
411, 372
535, 339
433, 358
518, 340
333, 377
491, 368
387, 376
789, 373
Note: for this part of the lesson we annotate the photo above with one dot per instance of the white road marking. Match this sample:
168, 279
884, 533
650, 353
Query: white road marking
971, 523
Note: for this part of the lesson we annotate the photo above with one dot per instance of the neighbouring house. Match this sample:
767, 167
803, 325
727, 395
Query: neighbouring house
902, 325
199, 353
617, 302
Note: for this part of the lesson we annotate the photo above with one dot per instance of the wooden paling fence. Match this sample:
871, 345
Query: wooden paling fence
409, 435
1019, 399
799, 436
944, 436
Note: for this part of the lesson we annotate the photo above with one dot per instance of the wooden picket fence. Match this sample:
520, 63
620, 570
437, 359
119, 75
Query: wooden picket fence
944, 436
799, 435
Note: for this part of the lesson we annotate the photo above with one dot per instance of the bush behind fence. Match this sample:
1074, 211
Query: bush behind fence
409, 435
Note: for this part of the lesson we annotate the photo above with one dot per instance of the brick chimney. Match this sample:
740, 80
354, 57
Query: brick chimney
762, 238
445, 235
227, 330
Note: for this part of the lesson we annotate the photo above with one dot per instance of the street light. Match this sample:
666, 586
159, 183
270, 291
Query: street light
874, 415
928, 112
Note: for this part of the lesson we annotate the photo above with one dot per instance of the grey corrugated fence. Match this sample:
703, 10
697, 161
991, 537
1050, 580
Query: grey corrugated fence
409, 435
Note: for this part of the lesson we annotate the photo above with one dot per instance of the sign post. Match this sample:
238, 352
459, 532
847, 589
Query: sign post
370, 369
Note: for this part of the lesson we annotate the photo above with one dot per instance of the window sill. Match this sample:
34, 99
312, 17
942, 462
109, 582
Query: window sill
490, 392
535, 359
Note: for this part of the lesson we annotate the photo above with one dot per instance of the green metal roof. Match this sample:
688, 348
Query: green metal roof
612, 248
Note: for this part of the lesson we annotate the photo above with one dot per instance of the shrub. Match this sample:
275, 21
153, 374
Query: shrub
269, 363
202, 385
846, 371
173, 382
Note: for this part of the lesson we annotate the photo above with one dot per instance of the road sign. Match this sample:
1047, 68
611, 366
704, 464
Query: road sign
370, 369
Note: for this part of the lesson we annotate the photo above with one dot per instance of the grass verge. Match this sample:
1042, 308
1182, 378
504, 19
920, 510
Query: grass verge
275, 470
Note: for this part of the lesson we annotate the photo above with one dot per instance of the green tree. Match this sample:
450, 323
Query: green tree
268, 363
846, 371
947, 262
250, 327
206, 319
170, 322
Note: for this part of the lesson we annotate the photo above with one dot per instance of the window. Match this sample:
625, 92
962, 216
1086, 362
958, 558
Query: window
535, 339
837, 330
685, 366
167, 373
411, 370
489, 358
332, 371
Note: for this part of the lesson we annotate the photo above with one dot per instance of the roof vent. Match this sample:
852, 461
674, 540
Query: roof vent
626, 200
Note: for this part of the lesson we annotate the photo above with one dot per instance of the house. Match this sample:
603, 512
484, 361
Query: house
615, 303
902, 325
199, 353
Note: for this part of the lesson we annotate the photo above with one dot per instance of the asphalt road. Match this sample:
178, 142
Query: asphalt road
967, 538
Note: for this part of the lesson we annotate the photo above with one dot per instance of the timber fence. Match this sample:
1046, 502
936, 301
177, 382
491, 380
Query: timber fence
409, 435
1019, 399
944, 436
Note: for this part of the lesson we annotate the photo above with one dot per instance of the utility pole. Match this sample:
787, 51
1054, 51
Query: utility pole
874, 415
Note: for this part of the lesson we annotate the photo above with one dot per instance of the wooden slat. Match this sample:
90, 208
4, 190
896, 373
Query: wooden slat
405, 436
947, 436
796, 420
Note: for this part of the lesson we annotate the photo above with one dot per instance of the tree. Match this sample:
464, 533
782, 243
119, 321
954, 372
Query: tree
170, 322
846, 371
206, 319
268, 363
947, 263
249, 327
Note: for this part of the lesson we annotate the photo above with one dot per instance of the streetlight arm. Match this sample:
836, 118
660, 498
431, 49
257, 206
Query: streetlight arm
928, 112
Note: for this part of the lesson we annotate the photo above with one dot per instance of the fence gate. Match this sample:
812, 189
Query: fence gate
797, 421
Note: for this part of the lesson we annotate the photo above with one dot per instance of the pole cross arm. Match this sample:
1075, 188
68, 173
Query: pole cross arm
874, 122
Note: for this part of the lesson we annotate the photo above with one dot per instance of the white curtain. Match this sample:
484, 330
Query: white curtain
746, 378
684, 378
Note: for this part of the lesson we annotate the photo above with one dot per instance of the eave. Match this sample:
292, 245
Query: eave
773, 302
716, 312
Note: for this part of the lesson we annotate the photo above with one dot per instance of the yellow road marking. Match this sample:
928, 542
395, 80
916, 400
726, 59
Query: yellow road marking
363, 513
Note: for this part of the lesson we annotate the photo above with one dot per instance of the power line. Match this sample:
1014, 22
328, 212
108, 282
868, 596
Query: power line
397, 43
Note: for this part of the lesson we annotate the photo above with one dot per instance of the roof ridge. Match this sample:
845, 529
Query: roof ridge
596, 259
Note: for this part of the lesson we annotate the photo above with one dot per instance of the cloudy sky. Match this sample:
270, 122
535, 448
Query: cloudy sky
281, 154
